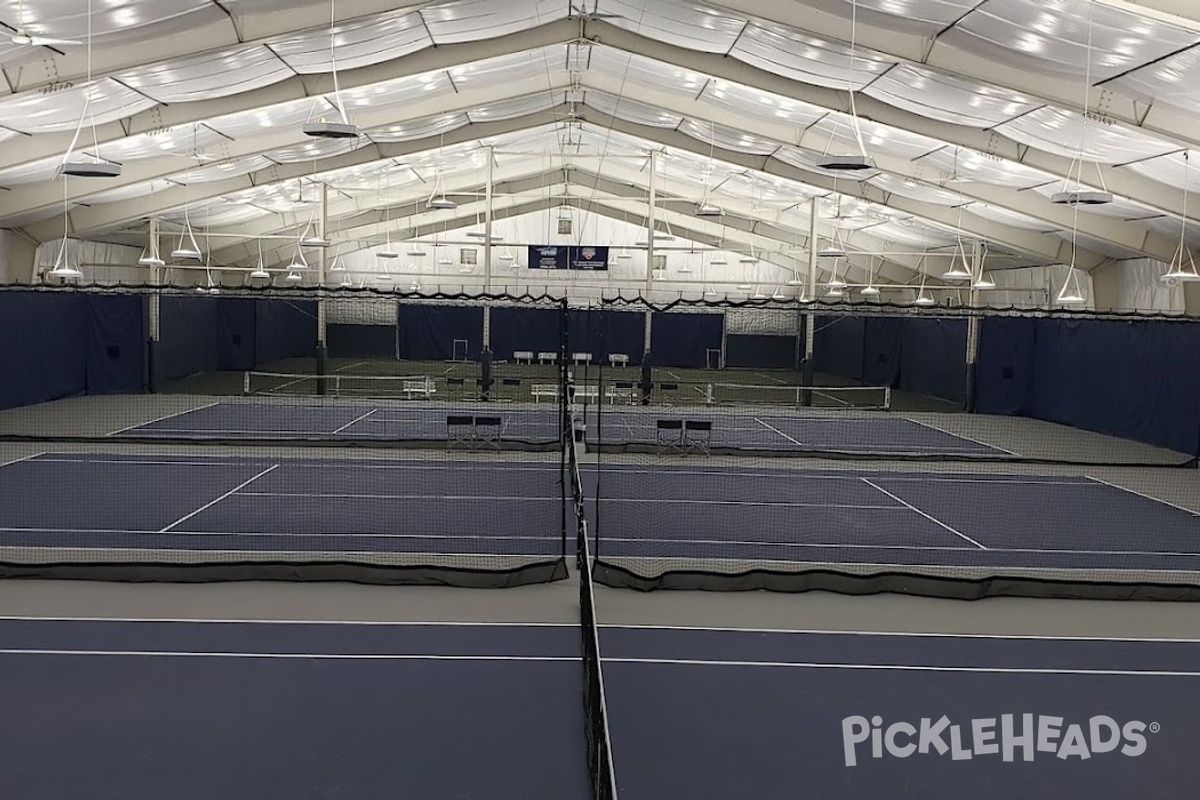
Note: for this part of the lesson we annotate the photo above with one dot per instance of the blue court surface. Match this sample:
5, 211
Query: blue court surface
238, 711
269, 419
771, 431
692, 512
222, 503
773, 715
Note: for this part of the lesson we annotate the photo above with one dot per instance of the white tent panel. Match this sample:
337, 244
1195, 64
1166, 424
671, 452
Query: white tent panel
942, 97
293, 113
630, 110
958, 164
1067, 134
419, 128
468, 20
806, 58
218, 74
101, 101
1174, 81
358, 43
680, 22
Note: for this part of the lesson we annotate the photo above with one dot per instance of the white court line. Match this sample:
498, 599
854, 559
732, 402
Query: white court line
796, 442
958, 435
354, 421
689, 662
689, 501
209, 505
1143, 496
630, 539
285, 656
251, 621
348, 464
351, 366
365, 496
904, 634
165, 417
929, 517
634, 470
550, 538
913, 547
19, 460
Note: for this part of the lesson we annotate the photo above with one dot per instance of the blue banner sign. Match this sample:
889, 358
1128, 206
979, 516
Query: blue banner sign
587, 258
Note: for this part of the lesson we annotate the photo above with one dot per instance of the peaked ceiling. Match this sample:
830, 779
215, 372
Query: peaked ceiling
971, 110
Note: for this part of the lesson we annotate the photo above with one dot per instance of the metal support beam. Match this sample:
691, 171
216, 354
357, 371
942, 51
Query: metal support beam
650, 228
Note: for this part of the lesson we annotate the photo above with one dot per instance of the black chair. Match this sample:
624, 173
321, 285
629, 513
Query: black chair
697, 436
460, 430
487, 432
669, 436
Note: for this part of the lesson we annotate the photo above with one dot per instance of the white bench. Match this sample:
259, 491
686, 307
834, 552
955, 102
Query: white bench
585, 393
581, 358
547, 358
418, 388
525, 356
618, 358
541, 390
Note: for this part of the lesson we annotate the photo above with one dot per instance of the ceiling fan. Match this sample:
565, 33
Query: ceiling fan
22, 37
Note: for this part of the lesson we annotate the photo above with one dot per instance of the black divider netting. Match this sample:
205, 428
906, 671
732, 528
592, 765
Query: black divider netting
300, 468
599, 745
696, 488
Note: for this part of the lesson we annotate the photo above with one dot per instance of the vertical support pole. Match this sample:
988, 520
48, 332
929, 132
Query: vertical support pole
487, 227
155, 313
973, 329
322, 320
650, 219
810, 319
647, 385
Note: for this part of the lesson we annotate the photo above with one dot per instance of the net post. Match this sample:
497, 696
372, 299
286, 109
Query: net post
246, 383
887, 398
322, 366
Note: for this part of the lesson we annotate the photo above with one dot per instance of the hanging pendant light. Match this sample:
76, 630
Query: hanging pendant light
322, 128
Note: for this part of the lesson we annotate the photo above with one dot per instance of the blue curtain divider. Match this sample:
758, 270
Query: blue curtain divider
116, 344
42, 352
760, 351
284, 329
189, 341
427, 333
603, 333
524, 329
933, 357
237, 333
362, 341
838, 346
682, 340
1137, 380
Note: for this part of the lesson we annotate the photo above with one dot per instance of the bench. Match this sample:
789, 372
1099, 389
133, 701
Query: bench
522, 356
581, 358
618, 359
540, 390
421, 387
621, 392
547, 358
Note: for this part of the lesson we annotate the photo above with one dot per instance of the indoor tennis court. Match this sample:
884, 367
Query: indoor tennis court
599, 399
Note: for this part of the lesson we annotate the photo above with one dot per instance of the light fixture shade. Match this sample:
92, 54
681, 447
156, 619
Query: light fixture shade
795, 282
315, 241
836, 283
416, 251
330, 130
779, 295
506, 257
66, 272
870, 290
294, 277
831, 252
1070, 298
924, 300
985, 282
151, 261
957, 272
835, 291
441, 202
386, 254
845, 163
1081, 198
337, 266
624, 255
719, 261
1181, 274
185, 253
260, 274
747, 260
90, 169
685, 270
708, 210
743, 287
346, 283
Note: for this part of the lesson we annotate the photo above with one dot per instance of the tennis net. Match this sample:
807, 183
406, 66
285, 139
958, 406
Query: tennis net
872, 398
393, 387
599, 748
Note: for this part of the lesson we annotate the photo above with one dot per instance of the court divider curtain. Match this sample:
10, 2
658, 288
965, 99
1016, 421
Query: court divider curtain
760, 351
284, 329
236, 333
603, 333
524, 329
189, 336
933, 357
362, 341
116, 344
1137, 379
43, 355
683, 340
427, 332
838, 346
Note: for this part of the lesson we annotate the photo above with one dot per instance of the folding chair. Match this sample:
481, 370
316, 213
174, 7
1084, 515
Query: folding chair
460, 430
487, 432
669, 436
697, 436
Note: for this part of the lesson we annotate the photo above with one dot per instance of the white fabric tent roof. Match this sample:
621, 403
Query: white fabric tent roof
973, 113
